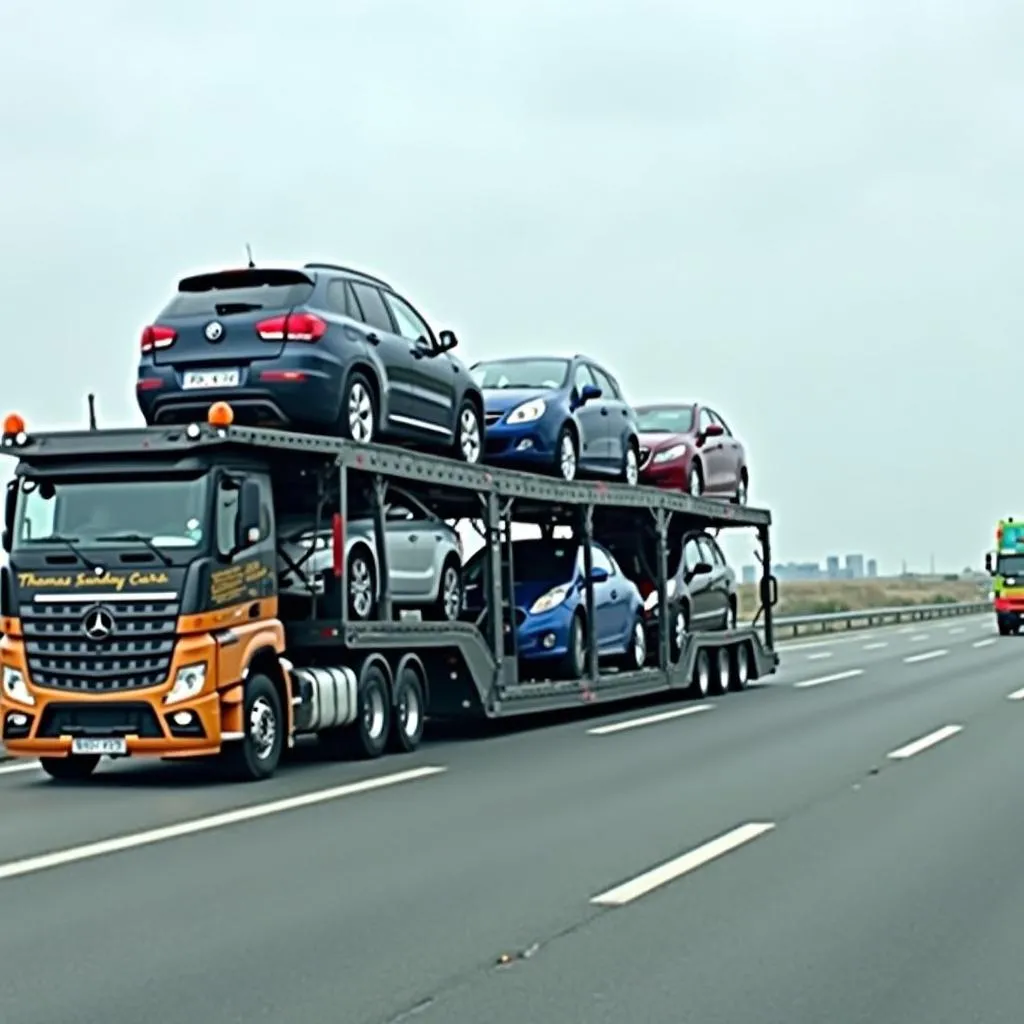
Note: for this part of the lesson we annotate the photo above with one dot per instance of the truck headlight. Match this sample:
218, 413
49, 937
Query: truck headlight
188, 683
15, 686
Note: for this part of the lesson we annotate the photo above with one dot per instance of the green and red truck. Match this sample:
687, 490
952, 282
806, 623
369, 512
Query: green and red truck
1006, 566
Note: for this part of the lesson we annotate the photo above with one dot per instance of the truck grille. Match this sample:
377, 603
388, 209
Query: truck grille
136, 654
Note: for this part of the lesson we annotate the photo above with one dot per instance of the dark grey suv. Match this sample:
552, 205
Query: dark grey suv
320, 348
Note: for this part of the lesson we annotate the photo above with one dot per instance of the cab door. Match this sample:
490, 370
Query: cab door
704, 613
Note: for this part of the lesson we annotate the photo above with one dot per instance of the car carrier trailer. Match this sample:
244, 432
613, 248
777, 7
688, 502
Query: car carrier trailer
184, 647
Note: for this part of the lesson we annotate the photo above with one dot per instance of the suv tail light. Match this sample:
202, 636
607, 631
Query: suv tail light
155, 336
293, 327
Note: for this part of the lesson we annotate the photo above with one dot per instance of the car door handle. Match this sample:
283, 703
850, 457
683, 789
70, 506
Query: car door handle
373, 339
413, 538
604, 412
615, 595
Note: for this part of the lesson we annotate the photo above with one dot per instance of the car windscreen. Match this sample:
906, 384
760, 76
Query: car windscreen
522, 373
676, 419
239, 291
1010, 565
535, 561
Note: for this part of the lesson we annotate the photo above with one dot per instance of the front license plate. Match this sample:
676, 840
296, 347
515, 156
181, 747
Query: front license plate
112, 746
198, 380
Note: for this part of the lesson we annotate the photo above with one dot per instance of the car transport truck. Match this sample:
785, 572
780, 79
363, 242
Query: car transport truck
143, 612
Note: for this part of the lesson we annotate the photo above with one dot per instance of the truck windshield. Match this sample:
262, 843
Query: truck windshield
1010, 565
168, 513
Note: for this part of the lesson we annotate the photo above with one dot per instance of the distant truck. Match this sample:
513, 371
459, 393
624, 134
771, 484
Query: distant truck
1006, 567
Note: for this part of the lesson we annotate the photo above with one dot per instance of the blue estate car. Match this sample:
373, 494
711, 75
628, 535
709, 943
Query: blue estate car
320, 348
561, 416
550, 605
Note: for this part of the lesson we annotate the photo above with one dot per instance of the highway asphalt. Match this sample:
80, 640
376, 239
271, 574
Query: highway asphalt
836, 845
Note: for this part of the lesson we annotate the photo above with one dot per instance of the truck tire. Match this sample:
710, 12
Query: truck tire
256, 756
70, 769
700, 686
367, 737
410, 708
723, 670
741, 673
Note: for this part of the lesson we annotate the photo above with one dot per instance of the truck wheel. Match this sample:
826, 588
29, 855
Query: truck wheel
700, 686
1004, 629
256, 756
410, 707
368, 735
742, 674
70, 769
723, 670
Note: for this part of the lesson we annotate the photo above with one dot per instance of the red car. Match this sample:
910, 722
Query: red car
690, 448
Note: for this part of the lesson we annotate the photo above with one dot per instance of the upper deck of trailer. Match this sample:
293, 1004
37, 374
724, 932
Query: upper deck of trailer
174, 443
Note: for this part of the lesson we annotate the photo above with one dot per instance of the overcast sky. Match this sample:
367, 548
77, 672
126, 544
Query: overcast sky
807, 214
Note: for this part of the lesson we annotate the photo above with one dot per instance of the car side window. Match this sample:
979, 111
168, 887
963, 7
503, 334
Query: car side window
374, 312
602, 561
582, 377
410, 324
725, 426
705, 420
710, 553
339, 300
691, 554
606, 384
227, 516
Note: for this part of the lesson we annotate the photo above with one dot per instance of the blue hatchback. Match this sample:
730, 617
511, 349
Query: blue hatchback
320, 348
550, 607
560, 416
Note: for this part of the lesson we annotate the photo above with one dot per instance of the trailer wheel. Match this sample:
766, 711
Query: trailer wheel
70, 769
257, 755
700, 686
742, 674
410, 709
723, 670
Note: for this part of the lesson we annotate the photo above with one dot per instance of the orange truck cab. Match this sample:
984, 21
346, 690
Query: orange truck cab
140, 608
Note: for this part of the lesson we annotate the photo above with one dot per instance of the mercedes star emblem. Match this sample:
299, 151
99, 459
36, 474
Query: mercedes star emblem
98, 624
214, 330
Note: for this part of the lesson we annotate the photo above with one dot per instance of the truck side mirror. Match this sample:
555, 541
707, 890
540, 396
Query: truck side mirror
10, 505
247, 526
988, 562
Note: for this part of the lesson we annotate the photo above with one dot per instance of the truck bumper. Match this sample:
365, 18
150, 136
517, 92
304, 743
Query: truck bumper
147, 728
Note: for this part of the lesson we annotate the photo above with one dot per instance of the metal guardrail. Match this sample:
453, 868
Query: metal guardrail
864, 618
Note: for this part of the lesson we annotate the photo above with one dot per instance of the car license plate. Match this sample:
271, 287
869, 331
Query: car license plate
110, 746
197, 380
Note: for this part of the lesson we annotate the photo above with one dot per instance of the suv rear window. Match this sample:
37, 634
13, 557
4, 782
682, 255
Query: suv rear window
239, 291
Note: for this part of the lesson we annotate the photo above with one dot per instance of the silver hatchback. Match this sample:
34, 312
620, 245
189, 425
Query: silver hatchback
424, 557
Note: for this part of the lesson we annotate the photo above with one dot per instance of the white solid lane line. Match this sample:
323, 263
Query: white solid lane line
19, 766
984, 643
829, 679
925, 656
1016, 695
876, 646
673, 869
635, 723
902, 753
819, 655
30, 865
